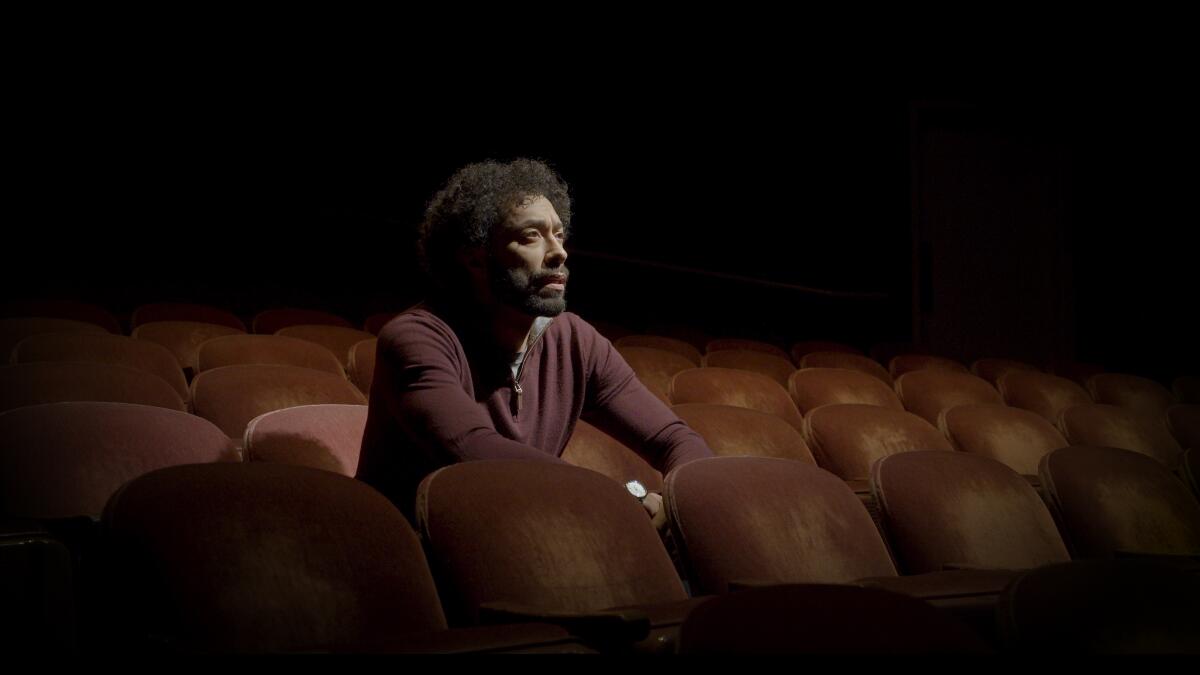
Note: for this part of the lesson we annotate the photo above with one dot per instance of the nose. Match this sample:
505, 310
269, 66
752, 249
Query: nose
556, 254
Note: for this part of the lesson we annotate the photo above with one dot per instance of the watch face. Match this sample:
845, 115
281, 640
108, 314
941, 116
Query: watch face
636, 489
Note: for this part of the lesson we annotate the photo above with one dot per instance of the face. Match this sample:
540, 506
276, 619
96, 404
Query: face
527, 261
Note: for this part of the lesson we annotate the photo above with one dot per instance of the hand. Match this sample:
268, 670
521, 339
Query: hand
653, 503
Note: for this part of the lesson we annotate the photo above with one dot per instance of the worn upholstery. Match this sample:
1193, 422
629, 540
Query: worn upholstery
14, 330
908, 363
731, 431
544, 535
1046, 395
929, 392
814, 387
1184, 424
727, 386
66, 459
62, 309
593, 449
823, 619
655, 367
271, 321
336, 339
182, 338
322, 436
51, 382
1112, 500
953, 508
1186, 389
1014, 437
773, 366
111, 349
1113, 427
724, 344
800, 349
1132, 392
233, 350
233, 395
684, 349
847, 438
361, 368
767, 520
844, 360
181, 311
992, 369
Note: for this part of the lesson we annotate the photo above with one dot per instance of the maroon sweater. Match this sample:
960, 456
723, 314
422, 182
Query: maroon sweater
443, 394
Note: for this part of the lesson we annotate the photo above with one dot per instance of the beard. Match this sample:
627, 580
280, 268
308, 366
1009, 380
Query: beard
524, 291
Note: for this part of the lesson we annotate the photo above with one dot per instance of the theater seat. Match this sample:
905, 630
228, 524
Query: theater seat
1131, 392
848, 438
271, 321
1046, 395
14, 330
181, 311
336, 339
1079, 373
51, 382
62, 460
322, 436
182, 338
116, 350
724, 344
231, 396
361, 368
775, 367
730, 431
1014, 437
726, 386
1113, 501
801, 349
655, 367
814, 387
928, 393
62, 309
236, 350
593, 449
1113, 427
992, 369
689, 352
849, 361
908, 363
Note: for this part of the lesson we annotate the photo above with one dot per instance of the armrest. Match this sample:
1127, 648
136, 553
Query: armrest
608, 626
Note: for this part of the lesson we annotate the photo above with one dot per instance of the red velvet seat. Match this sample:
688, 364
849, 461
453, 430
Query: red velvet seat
14, 330
336, 339
62, 309
236, 350
814, 387
731, 431
928, 393
1113, 427
992, 369
322, 436
593, 449
844, 360
908, 363
726, 386
1014, 437
848, 438
1131, 392
1046, 395
1184, 423
233, 395
51, 382
800, 349
183, 338
361, 368
773, 366
181, 311
271, 321
655, 367
65, 459
684, 349
115, 350
759, 346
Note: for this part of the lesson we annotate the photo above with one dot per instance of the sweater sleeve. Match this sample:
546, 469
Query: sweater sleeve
622, 406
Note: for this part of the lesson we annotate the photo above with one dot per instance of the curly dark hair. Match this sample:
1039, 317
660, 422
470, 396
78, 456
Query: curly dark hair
476, 199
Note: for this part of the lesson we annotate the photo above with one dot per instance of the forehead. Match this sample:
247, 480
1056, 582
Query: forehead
533, 212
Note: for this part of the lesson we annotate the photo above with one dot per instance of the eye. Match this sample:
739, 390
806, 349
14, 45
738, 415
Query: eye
531, 235
561, 235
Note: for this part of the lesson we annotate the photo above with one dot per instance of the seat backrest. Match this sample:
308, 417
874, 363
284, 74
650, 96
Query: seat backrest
14, 330
655, 367
659, 342
63, 309
182, 338
1183, 420
953, 508
235, 350
115, 350
928, 392
731, 431
593, 449
61, 460
814, 387
773, 366
264, 558
1075, 371
182, 311
1131, 392
337, 339
50, 382
991, 369
1113, 427
322, 436
847, 438
727, 386
549, 536
361, 368
1014, 437
1112, 500
908, 363
270, 321
1044, 394
724, 344
233, 395
845, 360
800, 349
766, 520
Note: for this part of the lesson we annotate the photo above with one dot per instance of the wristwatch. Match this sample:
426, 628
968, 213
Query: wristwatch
637, 490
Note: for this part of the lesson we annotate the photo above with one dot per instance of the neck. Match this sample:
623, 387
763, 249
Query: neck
510, 327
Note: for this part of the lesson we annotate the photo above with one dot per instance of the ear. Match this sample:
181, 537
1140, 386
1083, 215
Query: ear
473, 258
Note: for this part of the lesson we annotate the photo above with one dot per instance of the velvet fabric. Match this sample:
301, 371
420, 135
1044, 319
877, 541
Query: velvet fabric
1113, 427
953, 508
844, 360
336, 339
766, 520
992, 369
62, 309
593, 449
1014, 437
847, 438
1046, 395
233, 395
322, 436
1184, 424
1112, 500
814, 387
51, 382
183, 338
361, 369
1186, 389
655, 368
234, 350
375, 323
908, 363
62, 460
548, 536
800, 349
823, 619
14, 330
727, 386
180, 311
116, 350
731, 431
270, 321
929, 392
1131, 392
667, 344
776, 367
724, 344
266, 558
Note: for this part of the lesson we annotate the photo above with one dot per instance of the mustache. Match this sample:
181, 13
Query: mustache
544, 276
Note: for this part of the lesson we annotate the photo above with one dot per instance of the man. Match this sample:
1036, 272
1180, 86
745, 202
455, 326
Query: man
491, 366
